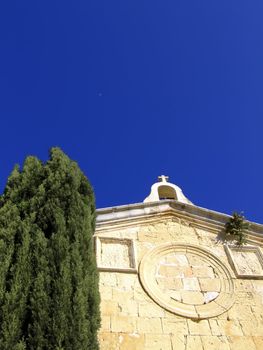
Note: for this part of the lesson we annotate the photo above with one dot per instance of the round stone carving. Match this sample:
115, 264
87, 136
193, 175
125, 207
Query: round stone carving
187, 280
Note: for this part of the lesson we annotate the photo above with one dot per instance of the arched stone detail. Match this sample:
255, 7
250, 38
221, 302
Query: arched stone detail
166, 192
187, 280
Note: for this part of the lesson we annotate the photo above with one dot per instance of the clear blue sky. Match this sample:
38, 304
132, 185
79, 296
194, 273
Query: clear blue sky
135, 89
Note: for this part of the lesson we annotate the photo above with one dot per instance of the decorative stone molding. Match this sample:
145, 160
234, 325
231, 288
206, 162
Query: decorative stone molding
132, 215
115, 254
246, 261
187, 280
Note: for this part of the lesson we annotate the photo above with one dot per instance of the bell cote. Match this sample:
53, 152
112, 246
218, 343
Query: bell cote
164, 190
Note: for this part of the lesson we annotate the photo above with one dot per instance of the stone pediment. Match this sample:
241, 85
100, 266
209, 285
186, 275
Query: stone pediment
132, 215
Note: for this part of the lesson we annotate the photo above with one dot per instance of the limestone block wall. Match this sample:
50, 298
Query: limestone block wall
168, 284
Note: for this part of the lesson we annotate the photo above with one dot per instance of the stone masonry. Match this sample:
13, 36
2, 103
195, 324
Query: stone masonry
168, 283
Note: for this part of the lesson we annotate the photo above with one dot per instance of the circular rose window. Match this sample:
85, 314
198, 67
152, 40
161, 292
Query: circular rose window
187, 280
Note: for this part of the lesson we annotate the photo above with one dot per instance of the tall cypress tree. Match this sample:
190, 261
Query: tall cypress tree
48, 279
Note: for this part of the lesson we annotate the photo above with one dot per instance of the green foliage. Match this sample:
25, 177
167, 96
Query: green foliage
48, 278
236, 227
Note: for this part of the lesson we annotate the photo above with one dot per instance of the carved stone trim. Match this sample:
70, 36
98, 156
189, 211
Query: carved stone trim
115, 254
187, 280
246, 261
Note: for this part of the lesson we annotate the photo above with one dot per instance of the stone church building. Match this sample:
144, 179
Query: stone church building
170, 281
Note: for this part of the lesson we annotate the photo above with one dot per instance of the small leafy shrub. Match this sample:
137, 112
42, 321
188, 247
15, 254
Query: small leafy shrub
237, 227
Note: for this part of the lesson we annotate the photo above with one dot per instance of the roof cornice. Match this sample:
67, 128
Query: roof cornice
138, 213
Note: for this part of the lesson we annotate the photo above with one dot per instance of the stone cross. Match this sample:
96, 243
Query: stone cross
163, 178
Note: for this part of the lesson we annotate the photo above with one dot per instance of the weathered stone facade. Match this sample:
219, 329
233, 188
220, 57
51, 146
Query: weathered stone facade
168, 282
